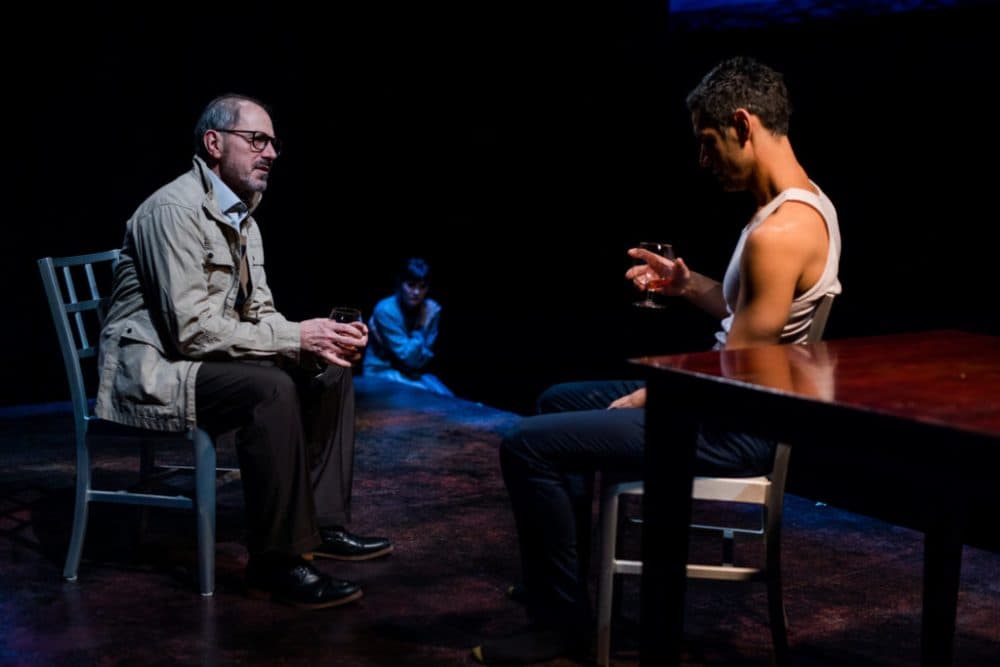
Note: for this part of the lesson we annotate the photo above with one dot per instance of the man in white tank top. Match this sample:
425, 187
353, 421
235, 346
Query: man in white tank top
785, 262
788, 255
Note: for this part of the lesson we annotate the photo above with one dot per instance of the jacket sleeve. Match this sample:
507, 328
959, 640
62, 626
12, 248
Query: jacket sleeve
408, 351
433, 317
179, 281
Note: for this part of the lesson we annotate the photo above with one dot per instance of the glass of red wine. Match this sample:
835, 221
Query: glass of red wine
652, 281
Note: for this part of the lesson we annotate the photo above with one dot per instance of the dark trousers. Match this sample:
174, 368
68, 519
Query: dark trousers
547, 460
294, 436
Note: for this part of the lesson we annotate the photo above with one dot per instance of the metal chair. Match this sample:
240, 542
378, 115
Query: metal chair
765, 492
78, 321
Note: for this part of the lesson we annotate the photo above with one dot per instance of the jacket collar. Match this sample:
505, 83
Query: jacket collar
200, 171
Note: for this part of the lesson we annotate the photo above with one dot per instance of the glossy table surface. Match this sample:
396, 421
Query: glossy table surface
947, 378
918, 413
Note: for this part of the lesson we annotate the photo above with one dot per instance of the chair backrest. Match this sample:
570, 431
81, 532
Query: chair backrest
820, 316
766, 491
78, 305
779, 473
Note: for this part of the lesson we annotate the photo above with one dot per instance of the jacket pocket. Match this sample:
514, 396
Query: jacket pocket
255, 259
145, 377
219, 268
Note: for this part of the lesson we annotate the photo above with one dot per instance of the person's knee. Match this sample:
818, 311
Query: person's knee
338, 378
524, 446
515, 445
553, 399
274, 386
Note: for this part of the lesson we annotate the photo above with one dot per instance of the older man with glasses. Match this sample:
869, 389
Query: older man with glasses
192, 336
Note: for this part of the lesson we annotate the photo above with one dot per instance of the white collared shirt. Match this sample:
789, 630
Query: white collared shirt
234, 208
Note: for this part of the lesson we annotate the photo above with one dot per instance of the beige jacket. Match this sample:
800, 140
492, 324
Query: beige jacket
172, 306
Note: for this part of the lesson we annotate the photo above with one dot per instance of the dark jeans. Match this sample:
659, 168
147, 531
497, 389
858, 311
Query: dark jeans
294, 435
546, 460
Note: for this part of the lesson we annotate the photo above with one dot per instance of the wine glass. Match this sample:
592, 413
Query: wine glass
345, 314
655, 282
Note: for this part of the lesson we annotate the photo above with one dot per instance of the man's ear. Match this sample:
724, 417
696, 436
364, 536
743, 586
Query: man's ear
213, 143
741, 122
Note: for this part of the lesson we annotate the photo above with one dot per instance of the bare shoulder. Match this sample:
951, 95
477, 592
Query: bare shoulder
792, 242
793, 224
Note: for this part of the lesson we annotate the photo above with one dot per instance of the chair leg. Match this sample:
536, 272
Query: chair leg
204, 461
147, 463
606, 576
584, 511
617, 588
80, 506
776, 610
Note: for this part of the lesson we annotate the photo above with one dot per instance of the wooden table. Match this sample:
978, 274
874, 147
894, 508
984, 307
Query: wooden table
920, 412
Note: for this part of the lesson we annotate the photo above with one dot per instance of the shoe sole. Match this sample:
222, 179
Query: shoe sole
370, 556
258, 594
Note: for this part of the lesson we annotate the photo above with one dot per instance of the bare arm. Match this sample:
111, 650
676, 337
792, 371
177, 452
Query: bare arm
705, 293
777, 258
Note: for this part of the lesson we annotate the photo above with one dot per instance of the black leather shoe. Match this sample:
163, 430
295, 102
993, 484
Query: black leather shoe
342, 545
296, 582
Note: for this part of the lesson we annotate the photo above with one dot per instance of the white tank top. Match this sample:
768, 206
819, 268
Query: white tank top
804, 305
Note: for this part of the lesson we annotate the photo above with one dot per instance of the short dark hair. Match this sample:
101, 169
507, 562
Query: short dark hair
415, 269
222, 113
741, 83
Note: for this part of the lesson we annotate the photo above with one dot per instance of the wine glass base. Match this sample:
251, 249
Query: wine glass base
652, 305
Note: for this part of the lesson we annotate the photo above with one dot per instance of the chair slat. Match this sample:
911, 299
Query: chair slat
83, 306
70, 286
70, 312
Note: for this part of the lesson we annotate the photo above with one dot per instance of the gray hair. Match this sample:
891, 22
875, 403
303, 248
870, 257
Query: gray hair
222, 113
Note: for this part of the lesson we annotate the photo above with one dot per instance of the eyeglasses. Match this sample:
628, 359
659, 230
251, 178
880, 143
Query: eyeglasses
258, 140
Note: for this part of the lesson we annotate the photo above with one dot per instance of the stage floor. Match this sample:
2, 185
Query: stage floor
427, 475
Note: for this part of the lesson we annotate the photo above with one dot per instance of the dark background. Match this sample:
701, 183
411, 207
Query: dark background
522, 148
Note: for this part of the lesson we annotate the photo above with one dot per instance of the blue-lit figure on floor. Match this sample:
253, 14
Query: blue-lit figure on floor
403, 329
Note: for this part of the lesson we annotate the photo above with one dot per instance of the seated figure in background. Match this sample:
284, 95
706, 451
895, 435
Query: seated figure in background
403, 329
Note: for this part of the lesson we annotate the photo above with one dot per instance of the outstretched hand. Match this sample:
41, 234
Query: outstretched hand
658, 274
339, 343
636, 399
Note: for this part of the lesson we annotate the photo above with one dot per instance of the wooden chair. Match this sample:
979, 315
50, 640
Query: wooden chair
78, 306
765, 492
